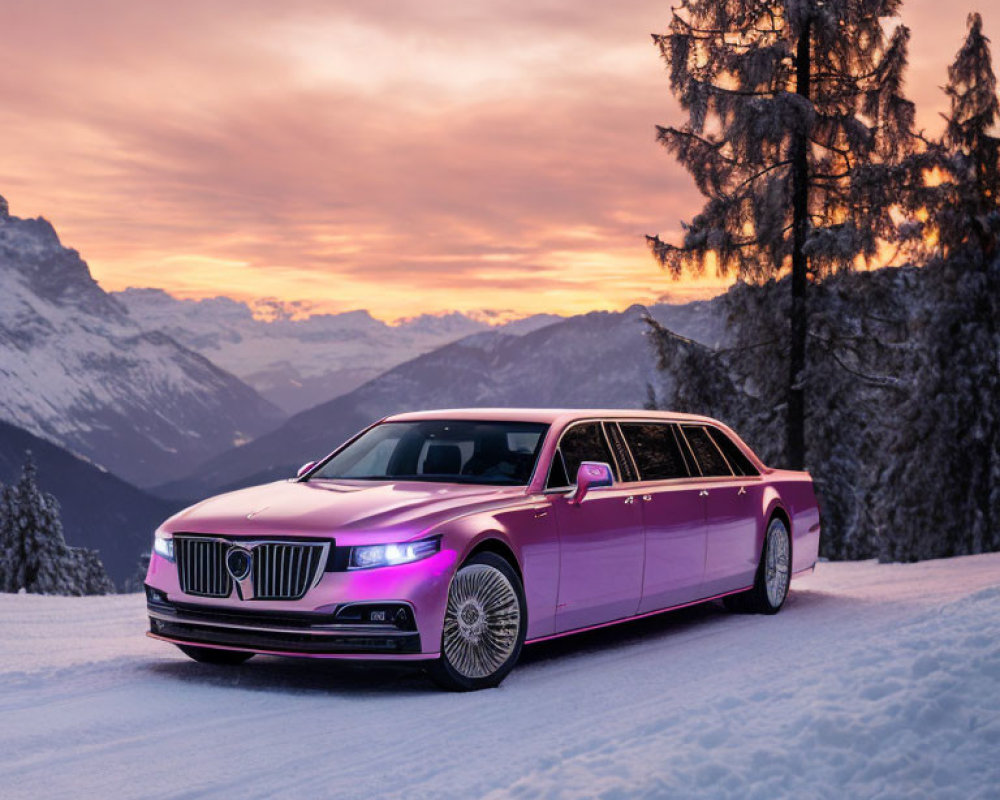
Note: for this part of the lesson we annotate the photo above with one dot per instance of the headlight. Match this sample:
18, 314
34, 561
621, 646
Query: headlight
385, 555
164, 546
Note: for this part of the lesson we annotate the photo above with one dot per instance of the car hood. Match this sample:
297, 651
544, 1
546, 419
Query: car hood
324, 508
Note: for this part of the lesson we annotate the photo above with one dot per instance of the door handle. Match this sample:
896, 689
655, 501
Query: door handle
647, 497
703, 493
629, 500
539, 513
743, 490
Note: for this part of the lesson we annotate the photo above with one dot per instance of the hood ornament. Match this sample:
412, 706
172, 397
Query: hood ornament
261, 510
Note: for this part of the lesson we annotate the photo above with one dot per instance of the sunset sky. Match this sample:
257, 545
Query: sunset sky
406, 157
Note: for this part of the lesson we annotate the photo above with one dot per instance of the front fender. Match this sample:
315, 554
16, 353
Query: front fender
527, 530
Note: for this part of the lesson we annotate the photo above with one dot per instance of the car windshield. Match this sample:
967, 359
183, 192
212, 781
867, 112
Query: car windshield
444, 451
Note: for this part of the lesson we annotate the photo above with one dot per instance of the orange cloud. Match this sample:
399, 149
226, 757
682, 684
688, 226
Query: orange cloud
403, 156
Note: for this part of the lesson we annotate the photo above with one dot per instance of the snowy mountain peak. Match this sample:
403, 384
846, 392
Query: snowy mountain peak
297, 362
31, 254
79, 372
454, 323
358, 317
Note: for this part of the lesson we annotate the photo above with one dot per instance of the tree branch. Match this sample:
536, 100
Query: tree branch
872, 380
761, 174
716, 146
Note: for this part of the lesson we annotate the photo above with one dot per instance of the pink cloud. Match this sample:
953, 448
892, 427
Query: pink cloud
363, 155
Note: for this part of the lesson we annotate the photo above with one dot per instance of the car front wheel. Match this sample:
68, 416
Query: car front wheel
484, 625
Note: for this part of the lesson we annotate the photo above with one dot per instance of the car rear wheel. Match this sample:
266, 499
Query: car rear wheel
773, 576
211, 655
484, 625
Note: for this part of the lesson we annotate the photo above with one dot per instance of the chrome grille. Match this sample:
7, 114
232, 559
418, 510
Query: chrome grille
280, 570
285, 571
201, 566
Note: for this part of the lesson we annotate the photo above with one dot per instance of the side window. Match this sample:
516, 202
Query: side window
621, 452
707, 455
581, 443
557, 472
737, 458
655, 449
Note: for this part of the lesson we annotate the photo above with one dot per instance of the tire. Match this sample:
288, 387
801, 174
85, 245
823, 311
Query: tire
485, 597
209, 655
770, 586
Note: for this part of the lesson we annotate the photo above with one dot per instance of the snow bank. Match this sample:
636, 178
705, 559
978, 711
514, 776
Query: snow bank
875, 681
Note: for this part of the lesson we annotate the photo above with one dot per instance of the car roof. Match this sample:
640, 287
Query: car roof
551, 416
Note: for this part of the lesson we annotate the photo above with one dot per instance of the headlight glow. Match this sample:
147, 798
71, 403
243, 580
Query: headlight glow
386, 555
163, 546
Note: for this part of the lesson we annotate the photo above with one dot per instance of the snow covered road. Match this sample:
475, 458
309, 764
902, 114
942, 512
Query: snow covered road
874, 681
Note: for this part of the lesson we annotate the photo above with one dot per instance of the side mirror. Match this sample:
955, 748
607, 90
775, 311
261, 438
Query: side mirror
591, 475
305, 468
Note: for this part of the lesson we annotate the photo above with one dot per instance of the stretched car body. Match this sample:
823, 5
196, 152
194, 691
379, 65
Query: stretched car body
585, 517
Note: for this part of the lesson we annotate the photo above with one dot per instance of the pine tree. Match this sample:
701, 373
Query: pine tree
795, 120
946, 454
969, 216
36, 556
88, 573
138, 579
859, 321
38, 543
7, 556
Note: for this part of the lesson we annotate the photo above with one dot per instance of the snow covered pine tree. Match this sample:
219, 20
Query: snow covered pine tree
34, 555
789, 104
138, 579
858, 371
945, 464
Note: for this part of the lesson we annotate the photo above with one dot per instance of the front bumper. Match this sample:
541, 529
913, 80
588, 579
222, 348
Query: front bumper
279, 634
314, 624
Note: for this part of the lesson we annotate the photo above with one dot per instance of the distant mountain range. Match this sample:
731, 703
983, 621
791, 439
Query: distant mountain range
600, 359
299, 363
148, 387
76, 369
98, 510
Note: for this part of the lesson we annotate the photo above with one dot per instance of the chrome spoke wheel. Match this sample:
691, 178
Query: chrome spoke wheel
482, 621
777, 567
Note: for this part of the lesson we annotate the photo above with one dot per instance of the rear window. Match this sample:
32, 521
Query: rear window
737, 458
706, 453
655, 449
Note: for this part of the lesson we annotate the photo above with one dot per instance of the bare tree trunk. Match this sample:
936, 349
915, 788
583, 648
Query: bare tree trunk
795, 444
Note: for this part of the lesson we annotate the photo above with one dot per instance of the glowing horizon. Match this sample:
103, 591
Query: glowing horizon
402, 157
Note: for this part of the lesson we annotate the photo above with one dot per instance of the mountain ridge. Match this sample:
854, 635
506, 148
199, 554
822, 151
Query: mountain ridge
78, 371
600, 359
297, 363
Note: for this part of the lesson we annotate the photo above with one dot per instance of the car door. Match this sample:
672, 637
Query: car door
732, 549
673, 513
600, 539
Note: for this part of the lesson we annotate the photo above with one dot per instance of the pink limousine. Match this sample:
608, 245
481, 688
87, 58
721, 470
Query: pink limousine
453, 538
